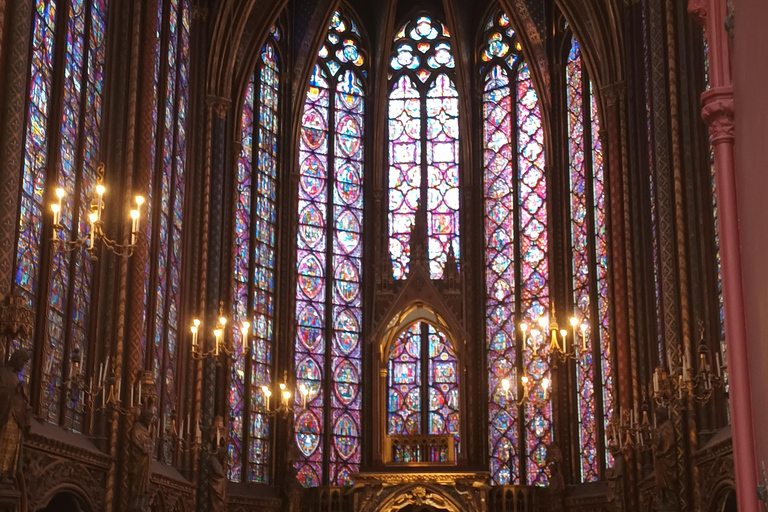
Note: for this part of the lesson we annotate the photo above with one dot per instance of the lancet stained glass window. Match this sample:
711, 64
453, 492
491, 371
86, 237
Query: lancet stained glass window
254, 265
165, 208
516, 248
329, 261
61, 149
423, 145
423, 384
590, 269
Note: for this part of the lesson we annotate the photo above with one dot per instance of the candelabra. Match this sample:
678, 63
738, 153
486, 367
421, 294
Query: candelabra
674, 386
632, 435
186, 441
506, 384
219, 347
562, 352
96, 231
284, 407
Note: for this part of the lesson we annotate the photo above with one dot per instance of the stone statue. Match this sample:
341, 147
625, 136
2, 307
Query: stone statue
217, 479
664, 460
555, 461
139, 464
14, 415
615, 477
292, 486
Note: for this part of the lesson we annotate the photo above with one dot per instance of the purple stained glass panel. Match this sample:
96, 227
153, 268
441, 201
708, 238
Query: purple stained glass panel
442, 174
404, 389
311, 246
580, 247
602, 269
534, 292
329, 261
404, 171
34, 172
423, 130
500, 274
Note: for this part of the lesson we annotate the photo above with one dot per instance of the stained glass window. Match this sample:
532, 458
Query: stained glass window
329, 261
590, 269
516, 248
423, 384
71, 165
254, 266
166, 202
423, 145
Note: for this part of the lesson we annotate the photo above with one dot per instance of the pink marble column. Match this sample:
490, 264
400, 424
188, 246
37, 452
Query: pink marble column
717, 112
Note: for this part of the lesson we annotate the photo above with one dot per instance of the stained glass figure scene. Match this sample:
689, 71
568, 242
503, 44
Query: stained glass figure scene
585, 166
516, 258
254, 266
423, 387
423, 134
69, 275
329, 252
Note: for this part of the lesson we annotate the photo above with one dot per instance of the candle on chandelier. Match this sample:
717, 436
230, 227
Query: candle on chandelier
563, 332
134, 226
217, 334
505, 386
55, 208
99, 200
584, 336
304, 392
267, 394
60, 193
574, 322
93, 218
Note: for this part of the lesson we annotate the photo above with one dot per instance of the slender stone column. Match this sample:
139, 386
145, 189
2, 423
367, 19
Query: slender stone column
717, 112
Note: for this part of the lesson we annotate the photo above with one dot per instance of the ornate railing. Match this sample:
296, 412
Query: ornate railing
516, 498
419, 450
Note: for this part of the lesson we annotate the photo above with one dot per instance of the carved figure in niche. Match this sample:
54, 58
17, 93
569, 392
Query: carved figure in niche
139, 464
615, 477
217, 480
555, 461
292, 488
14, 415
664, 460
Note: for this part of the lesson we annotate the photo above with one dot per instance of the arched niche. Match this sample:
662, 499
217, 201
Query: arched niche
440, 353
66, 501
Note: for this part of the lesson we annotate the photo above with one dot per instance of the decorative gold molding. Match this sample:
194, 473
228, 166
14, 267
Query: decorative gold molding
439, 478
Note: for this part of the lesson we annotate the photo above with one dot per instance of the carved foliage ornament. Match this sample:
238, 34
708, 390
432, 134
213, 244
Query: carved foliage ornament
717, 112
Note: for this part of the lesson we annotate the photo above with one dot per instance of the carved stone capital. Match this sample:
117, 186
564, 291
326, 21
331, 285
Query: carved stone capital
614, 92
199, 13
717, 112
698, 11
219, 106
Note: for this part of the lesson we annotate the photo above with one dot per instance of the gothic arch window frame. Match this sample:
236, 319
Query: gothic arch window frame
165, 207
431, 323
422, 59
258, 162
64, 133
327, 326
513, 184
589, 288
